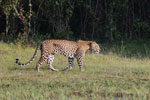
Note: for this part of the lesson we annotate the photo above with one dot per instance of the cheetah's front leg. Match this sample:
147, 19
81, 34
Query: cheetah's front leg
80, 64
70, 61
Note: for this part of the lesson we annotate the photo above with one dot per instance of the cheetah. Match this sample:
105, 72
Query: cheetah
67, 48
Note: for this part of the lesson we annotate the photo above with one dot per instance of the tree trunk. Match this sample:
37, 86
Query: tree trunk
111, 24
7, 25
94, 22
30, 15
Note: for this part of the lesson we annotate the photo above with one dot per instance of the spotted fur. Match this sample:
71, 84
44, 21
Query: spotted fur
69, 49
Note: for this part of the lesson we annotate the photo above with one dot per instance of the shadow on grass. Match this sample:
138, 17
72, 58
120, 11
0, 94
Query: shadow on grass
42, 69
21, 68
27, 68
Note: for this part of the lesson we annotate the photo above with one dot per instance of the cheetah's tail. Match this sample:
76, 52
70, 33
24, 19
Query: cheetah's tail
27, 63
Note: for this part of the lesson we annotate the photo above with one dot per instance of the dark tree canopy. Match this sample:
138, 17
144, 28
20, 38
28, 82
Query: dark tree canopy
100, 20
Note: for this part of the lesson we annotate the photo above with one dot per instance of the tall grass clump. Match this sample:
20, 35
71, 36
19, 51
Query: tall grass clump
134, 48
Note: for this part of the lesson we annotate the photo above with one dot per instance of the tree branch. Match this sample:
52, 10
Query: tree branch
21, 17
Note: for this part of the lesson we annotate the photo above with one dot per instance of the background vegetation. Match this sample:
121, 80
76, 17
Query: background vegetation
100, 20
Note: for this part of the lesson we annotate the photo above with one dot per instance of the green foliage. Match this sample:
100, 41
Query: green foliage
113, 20
63, 34
134, 48
140, 26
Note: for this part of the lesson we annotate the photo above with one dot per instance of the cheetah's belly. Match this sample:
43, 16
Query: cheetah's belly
67, 54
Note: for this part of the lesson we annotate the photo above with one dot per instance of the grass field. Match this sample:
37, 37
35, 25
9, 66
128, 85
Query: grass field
106, 77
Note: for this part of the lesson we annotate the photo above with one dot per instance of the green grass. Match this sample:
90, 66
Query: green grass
106, 77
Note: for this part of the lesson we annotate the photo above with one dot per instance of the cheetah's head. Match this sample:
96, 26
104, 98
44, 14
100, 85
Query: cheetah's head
94, 47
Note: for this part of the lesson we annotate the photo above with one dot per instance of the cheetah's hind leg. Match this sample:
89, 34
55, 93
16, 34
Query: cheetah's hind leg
50, 61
